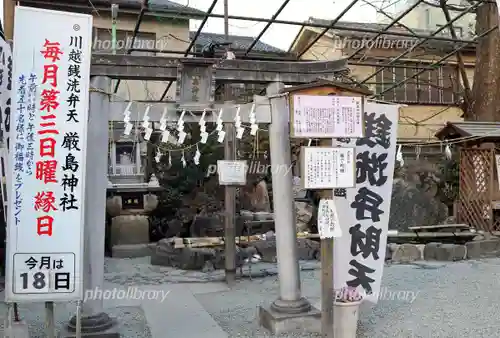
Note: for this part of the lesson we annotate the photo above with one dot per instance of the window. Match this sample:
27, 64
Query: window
458, 31
102, 41
437, 86
124, 159
427, 18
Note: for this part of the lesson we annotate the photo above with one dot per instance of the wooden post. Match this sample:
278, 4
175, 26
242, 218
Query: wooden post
327, 287
8, 19
230, 192
49, 320
230, 206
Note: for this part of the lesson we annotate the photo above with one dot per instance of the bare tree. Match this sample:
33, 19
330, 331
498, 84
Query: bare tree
486, 88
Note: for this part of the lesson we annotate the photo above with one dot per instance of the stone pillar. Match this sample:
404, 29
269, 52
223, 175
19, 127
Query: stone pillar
94, 320
290, 310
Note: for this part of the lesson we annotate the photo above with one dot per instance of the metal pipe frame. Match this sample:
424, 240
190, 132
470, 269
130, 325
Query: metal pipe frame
192, 43
469, 9
392, 23
278, 12
259, 58
315, 25
325, 30
374, 64
381, 11
433, 65
186, 14
134, 34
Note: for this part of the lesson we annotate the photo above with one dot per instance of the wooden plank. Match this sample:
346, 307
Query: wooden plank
443, 226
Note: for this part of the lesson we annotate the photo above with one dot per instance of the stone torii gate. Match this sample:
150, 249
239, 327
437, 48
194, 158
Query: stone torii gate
284, 312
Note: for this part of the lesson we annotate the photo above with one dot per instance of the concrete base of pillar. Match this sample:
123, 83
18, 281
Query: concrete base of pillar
17, 330
100, 325
279, 319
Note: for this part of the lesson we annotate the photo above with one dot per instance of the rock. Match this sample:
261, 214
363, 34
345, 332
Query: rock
406, 253
303, 214
298, 192
182, 258
308, 249
255, 197
390, 248
479, 238
207, 226
174, 228
270, 235
266, 249
413, 207
203, 259
444, 252
208, 267
263, 216
483, 248
246, 214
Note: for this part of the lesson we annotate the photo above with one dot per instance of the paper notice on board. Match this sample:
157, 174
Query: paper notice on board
327, 116
327, 167
328, 220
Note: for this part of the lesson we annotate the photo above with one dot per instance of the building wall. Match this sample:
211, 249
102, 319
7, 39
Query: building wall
429, 17
430, 118
170, 34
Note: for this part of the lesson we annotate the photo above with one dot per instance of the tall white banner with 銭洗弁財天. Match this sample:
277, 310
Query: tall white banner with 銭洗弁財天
363, 211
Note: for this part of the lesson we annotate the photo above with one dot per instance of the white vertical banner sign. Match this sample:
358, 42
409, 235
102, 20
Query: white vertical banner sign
5, 90
364, 210
5, 109
47, 155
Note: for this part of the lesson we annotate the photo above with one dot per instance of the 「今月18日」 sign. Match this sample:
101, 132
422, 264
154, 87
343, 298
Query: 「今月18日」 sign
47, 155
364, 210
327, 167
314, 116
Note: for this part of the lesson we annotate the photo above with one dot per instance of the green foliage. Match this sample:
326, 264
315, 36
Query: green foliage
448, 185
179, 181
192, 187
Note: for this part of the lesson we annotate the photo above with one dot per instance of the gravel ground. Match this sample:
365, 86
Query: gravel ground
131, 324
420, 300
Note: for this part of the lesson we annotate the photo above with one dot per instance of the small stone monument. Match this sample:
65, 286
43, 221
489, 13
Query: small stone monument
153, 182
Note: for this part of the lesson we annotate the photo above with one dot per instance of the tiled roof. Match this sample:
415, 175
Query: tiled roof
238, 42
153, 5
170, 5
470, 128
